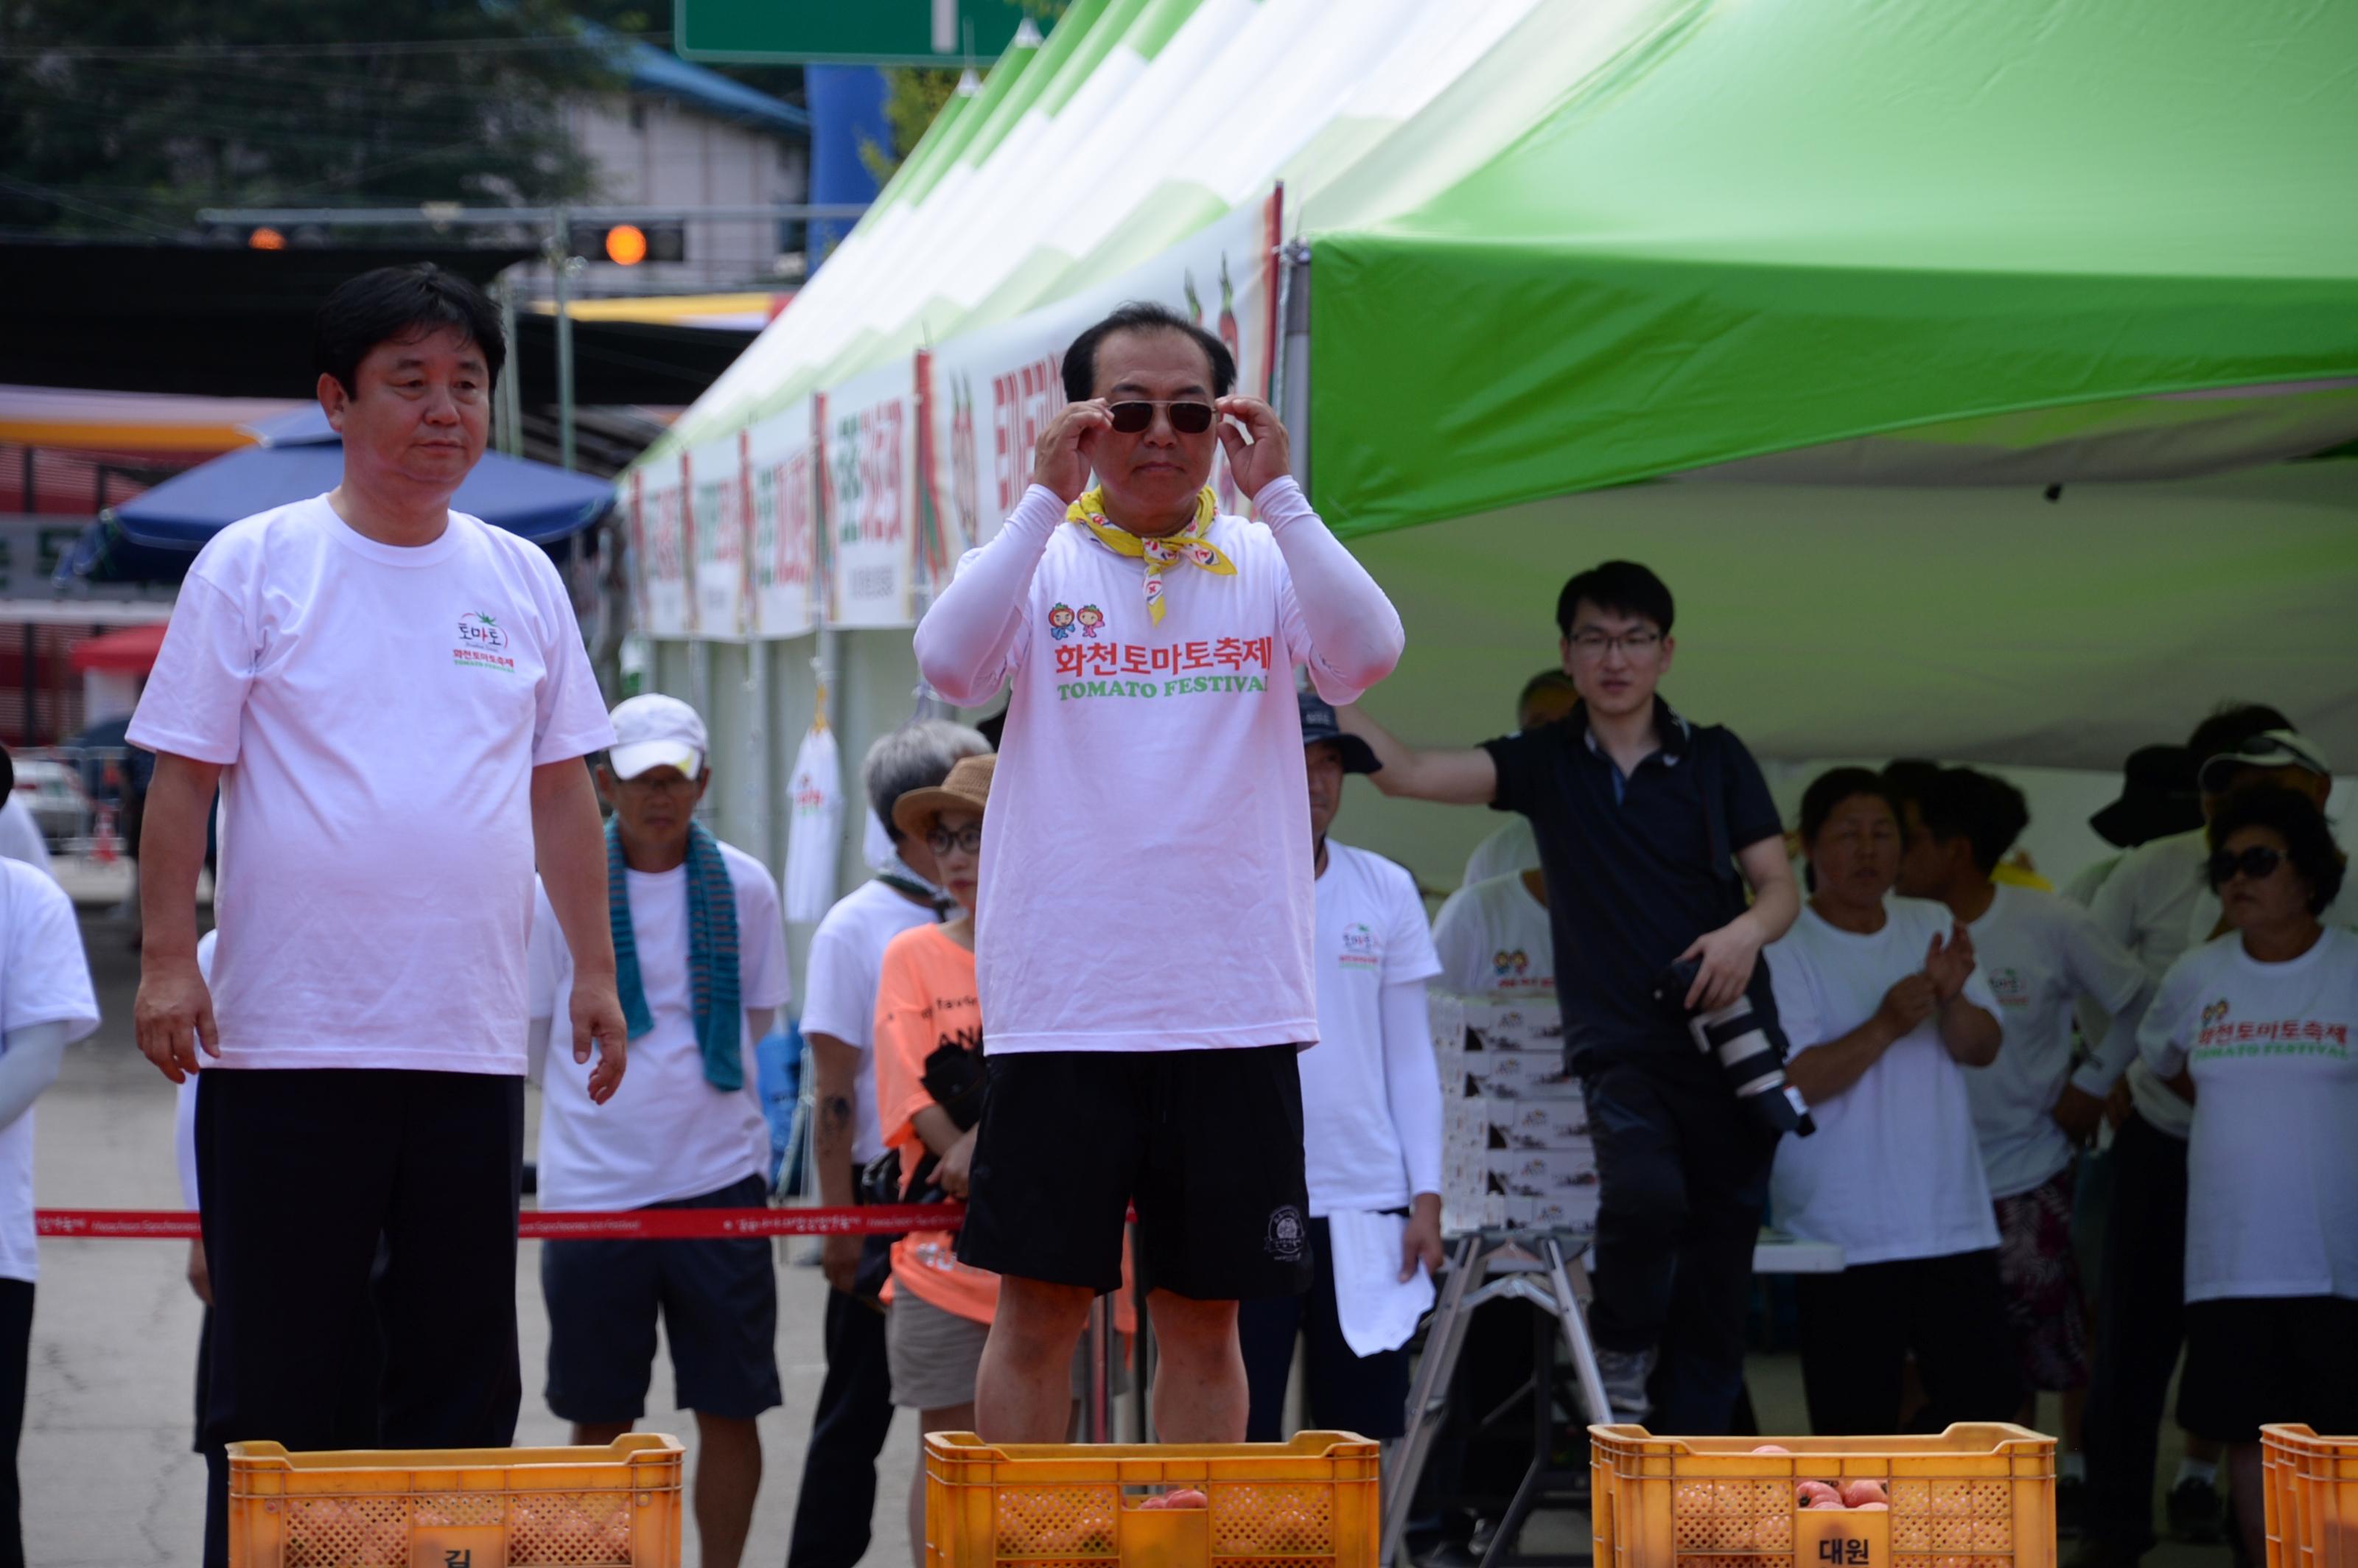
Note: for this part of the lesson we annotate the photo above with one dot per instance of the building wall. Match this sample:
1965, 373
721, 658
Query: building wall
653, 151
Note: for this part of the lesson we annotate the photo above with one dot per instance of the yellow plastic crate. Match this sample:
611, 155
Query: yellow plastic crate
1302, 1504
1977, 1495
2311, 1486
617, 1507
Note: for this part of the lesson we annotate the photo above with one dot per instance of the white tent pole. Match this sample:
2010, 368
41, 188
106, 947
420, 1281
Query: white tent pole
1293, 389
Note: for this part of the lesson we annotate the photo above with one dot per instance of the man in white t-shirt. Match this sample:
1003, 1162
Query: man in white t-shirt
2158, 903
1493, 936
1146, 966
854, 1415
394, 701
1547, 696
45, 1004
1371, 1133
2041, 954
700, 964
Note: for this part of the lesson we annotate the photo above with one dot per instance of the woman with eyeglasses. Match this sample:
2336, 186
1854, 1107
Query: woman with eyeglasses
927, 1101
2259, 1028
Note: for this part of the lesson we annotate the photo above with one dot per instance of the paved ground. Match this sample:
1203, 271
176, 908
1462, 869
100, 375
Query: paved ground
109, 1481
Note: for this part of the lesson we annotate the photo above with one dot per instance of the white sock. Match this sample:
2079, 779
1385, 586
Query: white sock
2204, 1470
2073, 1467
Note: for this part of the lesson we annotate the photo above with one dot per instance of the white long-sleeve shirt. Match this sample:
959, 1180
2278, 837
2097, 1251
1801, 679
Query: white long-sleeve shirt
1147, 866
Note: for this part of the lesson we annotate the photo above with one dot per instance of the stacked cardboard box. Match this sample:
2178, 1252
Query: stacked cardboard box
1516, 1148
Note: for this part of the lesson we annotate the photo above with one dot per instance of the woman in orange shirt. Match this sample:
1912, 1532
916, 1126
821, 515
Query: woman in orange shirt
926, 1000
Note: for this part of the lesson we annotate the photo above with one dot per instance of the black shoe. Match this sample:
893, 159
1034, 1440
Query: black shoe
2070, 1504
2196, 1514
2098, 1555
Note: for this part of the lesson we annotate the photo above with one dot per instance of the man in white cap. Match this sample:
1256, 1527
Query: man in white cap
701, 963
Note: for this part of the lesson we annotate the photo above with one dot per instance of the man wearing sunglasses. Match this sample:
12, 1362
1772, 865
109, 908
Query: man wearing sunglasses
1147, 969
2159, 902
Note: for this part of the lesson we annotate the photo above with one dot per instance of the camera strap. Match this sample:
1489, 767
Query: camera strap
1711, 787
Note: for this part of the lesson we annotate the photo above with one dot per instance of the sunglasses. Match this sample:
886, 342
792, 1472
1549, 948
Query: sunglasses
1134, 416
2258, 863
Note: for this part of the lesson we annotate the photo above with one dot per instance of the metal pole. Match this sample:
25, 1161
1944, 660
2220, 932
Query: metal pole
561, 248
508, 404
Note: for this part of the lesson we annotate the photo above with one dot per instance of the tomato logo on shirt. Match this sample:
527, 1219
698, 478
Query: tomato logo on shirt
482, 643
1361, 950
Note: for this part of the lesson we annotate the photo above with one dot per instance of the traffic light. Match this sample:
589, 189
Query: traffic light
628, 244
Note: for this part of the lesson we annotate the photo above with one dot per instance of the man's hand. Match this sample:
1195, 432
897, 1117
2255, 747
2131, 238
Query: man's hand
1268, 455
1421, 1241
2077, 1112
1950, 963
598, 1021
174, 1012
200, 1278
839, 1260
1727, 955
952, 1173
1061, 460
1908, 1004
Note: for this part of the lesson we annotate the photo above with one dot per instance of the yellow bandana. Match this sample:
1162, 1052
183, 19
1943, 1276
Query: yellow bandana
1187, 545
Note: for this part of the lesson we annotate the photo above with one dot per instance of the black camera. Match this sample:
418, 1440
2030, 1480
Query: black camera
1752, 1059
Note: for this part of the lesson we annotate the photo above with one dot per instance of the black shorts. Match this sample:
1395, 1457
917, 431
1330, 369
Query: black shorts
719, 1305
2254, 1361
1207, 1144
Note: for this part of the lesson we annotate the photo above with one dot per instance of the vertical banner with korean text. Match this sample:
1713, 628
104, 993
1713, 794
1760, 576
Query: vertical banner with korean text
659, 545
868, 458
783, 551
716, 535
989, 394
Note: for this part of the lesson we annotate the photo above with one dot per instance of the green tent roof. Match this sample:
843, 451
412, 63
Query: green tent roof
1766, 225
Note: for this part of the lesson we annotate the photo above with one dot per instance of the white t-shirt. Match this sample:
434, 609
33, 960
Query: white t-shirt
184, 1109
380, 711
2039, 953
44, 979
846, 956
1894, 1169
2272, 1162
1200, 709
2158, 904
1493, 936
1371, 1089
20, 835
667, 1133
1514, 848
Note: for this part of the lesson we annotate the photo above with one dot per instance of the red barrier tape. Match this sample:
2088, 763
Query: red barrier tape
627, 1225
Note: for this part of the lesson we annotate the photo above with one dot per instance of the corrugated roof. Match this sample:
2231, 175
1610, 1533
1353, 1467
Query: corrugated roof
654, 71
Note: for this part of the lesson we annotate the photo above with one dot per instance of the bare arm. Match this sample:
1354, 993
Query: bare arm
1467, 777
835, 1086
1822, 1072
175, 1009
1728, 955
1970, 1032
569, 844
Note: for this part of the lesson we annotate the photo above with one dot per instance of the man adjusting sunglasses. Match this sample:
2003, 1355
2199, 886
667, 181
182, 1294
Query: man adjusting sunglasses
1150, 785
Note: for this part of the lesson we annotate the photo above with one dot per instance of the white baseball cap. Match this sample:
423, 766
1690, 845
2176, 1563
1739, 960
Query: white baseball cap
656, 731
2268, 749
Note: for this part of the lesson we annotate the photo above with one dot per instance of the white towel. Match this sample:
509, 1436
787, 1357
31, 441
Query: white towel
1377, 1310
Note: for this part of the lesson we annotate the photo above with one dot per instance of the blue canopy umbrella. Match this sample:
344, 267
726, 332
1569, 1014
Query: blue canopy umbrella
154, 537
301, 455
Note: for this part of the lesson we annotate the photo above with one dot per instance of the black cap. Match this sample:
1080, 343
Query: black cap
1318, 723
2157, 798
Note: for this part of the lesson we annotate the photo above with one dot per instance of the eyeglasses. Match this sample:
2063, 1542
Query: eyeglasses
941, 841
1135, 415
2257, 863
1636, 644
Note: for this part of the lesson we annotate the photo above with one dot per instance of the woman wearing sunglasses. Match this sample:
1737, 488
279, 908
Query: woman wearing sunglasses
2259, 1028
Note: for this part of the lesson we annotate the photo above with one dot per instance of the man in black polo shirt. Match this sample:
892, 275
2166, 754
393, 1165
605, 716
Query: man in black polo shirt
1627, 800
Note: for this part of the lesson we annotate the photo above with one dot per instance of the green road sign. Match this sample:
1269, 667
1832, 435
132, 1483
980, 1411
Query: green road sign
882, 32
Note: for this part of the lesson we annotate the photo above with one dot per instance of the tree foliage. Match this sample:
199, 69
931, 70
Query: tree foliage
125, 116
